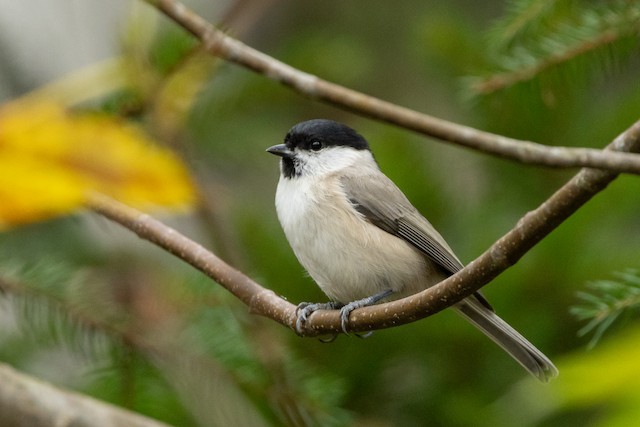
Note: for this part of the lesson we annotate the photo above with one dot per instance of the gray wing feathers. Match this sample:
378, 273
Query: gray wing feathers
384, 205
414, 232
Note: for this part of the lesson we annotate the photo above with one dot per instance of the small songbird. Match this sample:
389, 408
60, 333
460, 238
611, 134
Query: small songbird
360, 238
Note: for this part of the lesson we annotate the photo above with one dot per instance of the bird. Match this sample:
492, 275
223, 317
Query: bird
362, 241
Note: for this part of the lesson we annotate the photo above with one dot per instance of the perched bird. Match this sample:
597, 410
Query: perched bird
360, 238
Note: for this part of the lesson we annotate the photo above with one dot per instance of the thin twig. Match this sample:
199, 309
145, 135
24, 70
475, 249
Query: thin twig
532, 228
230, 49
503, 80
579, 47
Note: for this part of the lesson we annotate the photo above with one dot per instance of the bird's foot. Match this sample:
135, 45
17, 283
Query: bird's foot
364, 302
305, 309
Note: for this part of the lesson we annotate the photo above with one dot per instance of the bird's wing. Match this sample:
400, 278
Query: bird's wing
382, 203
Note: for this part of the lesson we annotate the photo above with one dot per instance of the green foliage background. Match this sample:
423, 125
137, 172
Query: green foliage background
426, 55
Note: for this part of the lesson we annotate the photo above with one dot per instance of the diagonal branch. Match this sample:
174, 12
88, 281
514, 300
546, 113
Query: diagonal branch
531, 229
504, 253
260, 300
230, 49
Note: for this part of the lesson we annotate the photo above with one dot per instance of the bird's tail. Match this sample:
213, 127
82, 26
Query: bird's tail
508, 338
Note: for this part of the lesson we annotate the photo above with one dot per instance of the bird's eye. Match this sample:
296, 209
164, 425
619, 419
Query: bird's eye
315, 145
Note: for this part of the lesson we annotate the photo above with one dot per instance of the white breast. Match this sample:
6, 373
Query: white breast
348, 257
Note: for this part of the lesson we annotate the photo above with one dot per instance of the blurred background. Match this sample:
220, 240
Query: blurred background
88, 306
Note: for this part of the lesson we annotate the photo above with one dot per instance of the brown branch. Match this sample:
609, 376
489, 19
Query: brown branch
532, 228
230, 49
504, 253
260, 300
28, 402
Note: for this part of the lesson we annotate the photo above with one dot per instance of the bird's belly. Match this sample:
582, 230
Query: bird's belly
350, 258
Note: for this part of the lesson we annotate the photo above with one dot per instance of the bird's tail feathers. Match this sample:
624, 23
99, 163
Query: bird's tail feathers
525, 353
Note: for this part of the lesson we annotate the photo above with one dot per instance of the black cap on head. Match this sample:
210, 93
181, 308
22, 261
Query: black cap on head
328, 132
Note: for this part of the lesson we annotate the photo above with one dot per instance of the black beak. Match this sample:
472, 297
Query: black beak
281, 150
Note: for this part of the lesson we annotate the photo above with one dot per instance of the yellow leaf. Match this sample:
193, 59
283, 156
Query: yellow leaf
50, 159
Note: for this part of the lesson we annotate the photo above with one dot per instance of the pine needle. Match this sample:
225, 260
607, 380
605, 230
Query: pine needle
607, 302
579, 38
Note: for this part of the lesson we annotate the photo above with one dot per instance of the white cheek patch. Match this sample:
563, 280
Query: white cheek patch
330, 160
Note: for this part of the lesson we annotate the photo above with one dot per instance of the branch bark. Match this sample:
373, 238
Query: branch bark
260, 300
531, 228
27, 402
232, 50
